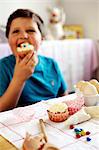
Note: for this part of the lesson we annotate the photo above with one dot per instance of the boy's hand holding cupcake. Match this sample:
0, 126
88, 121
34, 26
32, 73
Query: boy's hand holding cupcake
26, 61
24, 49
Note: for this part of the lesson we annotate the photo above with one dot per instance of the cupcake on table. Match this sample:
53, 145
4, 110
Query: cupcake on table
58, 112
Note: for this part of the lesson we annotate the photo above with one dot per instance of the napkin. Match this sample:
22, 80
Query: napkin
78, 117
93, 111
83, 115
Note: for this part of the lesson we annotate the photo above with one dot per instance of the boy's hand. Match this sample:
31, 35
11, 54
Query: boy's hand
33, 143
24, 67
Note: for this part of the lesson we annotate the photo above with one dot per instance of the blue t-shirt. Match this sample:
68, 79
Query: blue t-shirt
46, 82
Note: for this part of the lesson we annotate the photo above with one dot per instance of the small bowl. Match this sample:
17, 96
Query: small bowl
91, 100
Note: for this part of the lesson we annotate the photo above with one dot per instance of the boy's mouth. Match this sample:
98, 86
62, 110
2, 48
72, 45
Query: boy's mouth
20, 44
25, 47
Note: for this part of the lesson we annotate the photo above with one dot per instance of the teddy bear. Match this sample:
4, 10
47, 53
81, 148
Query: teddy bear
55, 25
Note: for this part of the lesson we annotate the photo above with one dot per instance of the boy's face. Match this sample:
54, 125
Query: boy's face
24, 30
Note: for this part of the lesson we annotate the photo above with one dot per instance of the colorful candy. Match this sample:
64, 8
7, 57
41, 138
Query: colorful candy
80, 132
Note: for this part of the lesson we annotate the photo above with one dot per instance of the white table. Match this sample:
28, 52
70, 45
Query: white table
15, 123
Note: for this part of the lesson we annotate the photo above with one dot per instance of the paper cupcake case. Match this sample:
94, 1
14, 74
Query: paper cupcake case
75, 105
58, 116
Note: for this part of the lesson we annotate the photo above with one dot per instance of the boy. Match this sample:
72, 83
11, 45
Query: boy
22, 82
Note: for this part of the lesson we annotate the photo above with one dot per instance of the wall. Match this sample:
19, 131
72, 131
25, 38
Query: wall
98, 21
84, 12
39, 6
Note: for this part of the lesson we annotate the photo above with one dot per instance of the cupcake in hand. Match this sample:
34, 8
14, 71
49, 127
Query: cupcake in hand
24, 48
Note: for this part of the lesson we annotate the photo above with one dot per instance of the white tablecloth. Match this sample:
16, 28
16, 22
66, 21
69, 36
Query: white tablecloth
15, 123
77, 59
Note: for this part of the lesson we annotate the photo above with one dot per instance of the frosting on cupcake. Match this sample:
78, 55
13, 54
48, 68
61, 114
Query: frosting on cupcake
25, 47
60, 107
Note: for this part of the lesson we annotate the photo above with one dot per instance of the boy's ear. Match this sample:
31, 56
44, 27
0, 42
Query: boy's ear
43, 38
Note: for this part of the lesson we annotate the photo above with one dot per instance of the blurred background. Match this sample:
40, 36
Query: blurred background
71, 34
79, 12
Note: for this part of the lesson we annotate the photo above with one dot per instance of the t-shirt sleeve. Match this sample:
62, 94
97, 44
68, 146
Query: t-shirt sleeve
63, 85
4, 81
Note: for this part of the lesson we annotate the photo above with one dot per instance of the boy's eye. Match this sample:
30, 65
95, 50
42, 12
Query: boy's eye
31, 31
15, 31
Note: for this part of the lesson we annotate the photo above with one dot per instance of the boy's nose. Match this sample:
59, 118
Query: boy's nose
24, 35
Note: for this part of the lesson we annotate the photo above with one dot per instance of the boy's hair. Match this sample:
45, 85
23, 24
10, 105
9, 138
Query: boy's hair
25, 13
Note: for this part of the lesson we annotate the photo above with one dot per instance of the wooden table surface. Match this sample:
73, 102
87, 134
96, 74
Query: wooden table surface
5, 145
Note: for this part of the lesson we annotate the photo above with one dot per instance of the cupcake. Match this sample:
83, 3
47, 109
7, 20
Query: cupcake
24, 48
58, 112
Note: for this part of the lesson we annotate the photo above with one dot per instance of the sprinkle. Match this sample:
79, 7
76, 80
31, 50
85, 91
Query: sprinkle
81, 129
76, 130
78, 136
83, 133
87, 133
71, 126
88, 139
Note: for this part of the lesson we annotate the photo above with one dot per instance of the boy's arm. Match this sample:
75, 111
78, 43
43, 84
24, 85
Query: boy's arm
10, 98
23, 70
